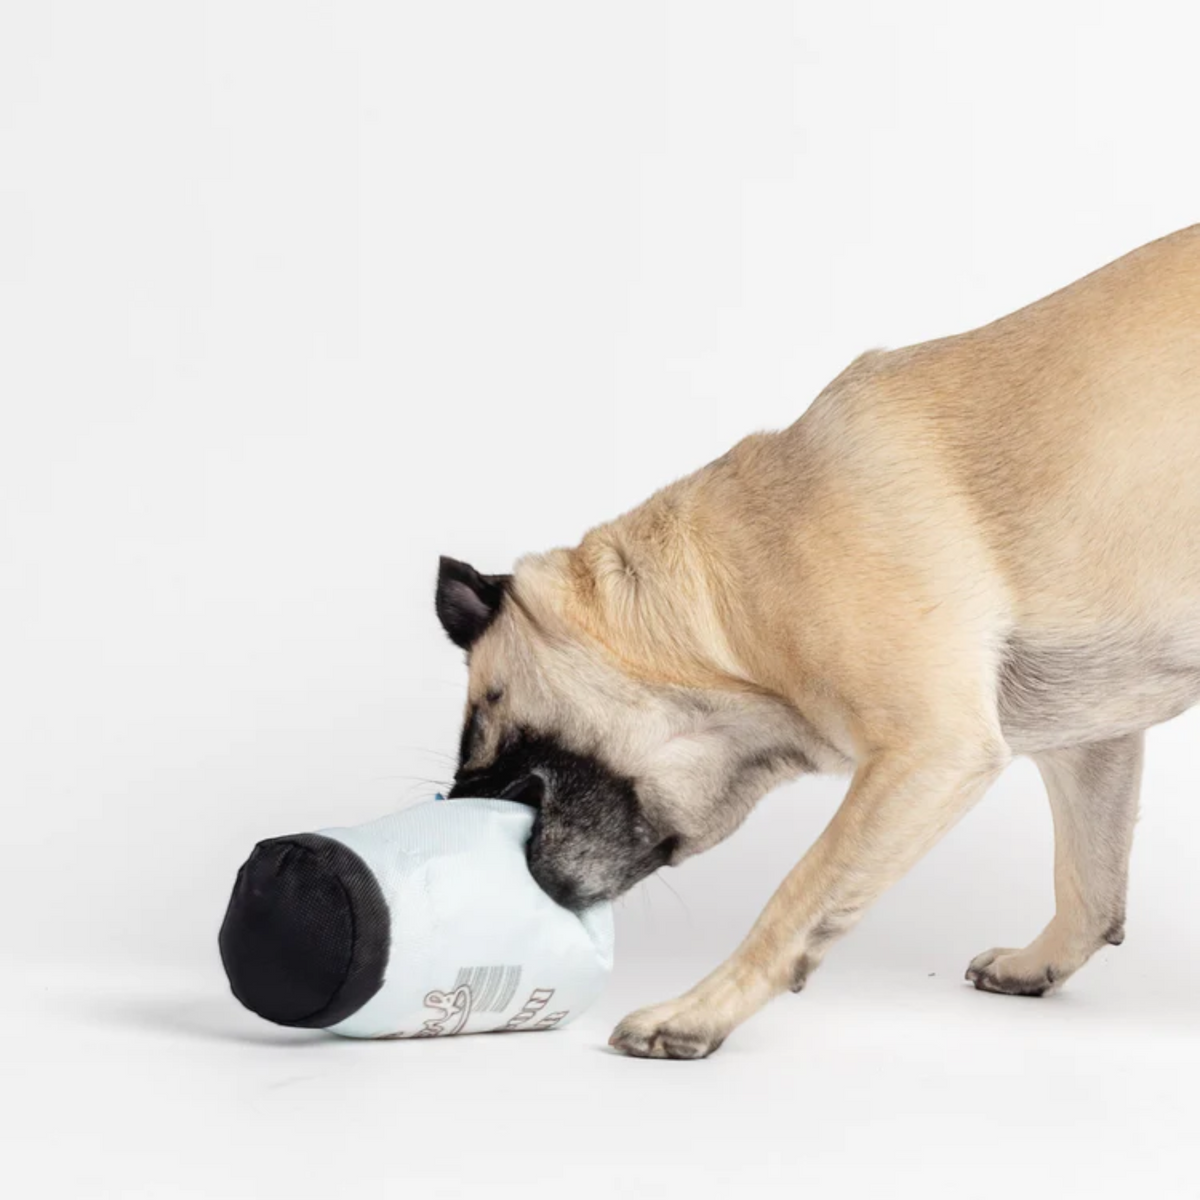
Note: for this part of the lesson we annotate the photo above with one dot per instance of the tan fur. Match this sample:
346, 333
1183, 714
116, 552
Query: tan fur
981, 546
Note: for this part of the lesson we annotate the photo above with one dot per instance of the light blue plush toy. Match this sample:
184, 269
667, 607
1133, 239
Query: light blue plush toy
424, 923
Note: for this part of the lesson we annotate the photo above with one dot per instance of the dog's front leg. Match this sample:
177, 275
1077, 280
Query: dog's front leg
898, 805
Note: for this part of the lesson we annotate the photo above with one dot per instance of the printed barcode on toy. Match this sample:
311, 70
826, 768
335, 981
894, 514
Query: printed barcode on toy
491, 987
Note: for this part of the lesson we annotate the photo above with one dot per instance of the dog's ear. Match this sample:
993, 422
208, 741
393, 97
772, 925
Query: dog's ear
467, 602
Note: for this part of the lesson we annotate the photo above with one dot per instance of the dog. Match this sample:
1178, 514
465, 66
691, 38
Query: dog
970, 549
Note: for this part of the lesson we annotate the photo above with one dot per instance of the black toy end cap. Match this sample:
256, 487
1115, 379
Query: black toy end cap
305, 938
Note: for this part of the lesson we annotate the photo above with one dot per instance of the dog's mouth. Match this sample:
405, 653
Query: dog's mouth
589, 842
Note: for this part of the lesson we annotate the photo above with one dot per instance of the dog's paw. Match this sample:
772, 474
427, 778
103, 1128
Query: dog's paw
677, 1029
1013, 973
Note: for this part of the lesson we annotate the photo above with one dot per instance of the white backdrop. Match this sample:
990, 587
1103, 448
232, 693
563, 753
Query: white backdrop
295, 297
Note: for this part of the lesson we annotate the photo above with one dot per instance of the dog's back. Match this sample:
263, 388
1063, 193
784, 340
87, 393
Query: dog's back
1074, 426
1072, 430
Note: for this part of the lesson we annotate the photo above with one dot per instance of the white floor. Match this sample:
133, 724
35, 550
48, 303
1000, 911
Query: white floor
872, 1083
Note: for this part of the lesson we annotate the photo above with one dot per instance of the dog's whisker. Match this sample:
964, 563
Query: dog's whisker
682, 903
450, 758
411, 778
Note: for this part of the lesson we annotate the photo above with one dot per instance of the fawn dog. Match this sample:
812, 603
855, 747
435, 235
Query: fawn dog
974, 548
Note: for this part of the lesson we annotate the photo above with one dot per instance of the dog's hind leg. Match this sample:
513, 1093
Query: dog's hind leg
1094, 798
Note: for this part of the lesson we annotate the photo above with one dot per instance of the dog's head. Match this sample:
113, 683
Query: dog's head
628, 770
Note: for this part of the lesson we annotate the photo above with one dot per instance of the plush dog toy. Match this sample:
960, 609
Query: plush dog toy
421, 924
